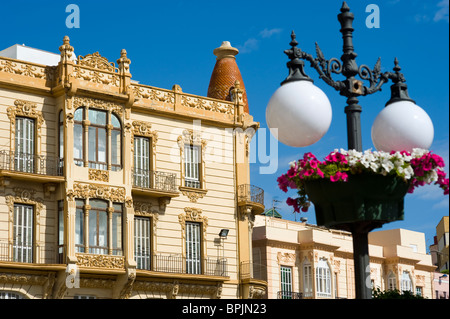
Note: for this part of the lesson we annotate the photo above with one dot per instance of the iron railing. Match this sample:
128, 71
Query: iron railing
156, 180
30, 254
289, 295
251, 193
252, 270
30, 163
181, 265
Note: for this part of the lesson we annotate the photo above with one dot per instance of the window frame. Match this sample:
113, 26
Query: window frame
87, 129
323, 279
19, 230
286, 281
193, 244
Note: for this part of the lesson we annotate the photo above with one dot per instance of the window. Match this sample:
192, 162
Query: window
419, 291
286, 282
84, 297
60, 230
307, 278
323, 279
97, 146
392, 281
78, 138
141, 172
23, 233
193, 248
406, 283
142, 248
24, 145
79, 226
192, 166
101, 224
104, 139
61, 134
98, 227
10, 295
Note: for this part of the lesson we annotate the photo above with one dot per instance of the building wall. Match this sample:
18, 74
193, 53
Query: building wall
170, 118
291, 244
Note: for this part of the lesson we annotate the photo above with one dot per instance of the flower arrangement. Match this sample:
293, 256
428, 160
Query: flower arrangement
420, 167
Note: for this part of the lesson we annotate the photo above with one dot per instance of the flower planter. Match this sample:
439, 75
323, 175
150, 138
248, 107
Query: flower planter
369, 198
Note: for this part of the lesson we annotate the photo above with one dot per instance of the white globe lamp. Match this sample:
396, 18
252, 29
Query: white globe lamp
402, 125
298, 113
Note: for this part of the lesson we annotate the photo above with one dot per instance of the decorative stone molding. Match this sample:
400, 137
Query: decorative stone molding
154, 94
25, 109
193, 215
193, 194
87, 102
100, 261
176, 288
26, 69
98, 175
145, 209
96, 61
256, 292
24, 196
286, 258
22, 279
115, 194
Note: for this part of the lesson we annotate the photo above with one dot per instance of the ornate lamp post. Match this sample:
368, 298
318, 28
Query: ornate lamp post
301, 113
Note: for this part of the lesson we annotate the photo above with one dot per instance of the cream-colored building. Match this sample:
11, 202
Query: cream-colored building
441, 249
300, 260
110, 188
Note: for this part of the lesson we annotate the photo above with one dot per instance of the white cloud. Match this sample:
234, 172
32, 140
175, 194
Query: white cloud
442, 13
250, 45
267, 33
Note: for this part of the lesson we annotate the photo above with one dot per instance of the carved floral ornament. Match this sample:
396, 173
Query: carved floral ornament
87, 102
25, 109
115, 194
192, 215
96, 61
141, 128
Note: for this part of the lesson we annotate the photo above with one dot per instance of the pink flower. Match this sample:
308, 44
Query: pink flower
320, 173
283, 182
339, 175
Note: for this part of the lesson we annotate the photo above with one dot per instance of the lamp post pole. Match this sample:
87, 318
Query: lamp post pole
351, 88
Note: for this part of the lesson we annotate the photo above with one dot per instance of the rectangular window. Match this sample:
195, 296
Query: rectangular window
142, 248
307, 280
79, 227
192, 166
193, 248
141, 162
286, 282
418, 291
23, 233
115, 150
78, 137
117, 230
98, 227
60, 231
24, 145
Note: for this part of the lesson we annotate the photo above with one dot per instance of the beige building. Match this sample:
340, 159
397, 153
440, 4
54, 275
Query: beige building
300, 260
114, 189
441, 248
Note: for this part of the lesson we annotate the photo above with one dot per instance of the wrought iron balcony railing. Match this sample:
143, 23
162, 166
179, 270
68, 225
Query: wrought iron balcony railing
289, 295
28, 253
161, 181
251, 193
252, 270
181, 265
30, 163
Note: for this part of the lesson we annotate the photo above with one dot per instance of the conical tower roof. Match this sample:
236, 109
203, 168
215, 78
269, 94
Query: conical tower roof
225, 74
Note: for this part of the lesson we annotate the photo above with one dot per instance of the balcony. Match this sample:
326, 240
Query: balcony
250, 195
154, 183
28, 254
31, 167
251, 270
177, 264
289, 295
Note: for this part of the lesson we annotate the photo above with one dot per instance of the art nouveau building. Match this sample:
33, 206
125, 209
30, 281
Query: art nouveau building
303, 261
114, 189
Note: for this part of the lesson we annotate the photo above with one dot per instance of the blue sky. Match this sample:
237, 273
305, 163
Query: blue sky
171, 42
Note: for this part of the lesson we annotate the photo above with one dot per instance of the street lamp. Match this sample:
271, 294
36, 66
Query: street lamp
299, 114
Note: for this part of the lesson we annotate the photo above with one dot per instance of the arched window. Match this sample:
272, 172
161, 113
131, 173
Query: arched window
104, 139
323, 279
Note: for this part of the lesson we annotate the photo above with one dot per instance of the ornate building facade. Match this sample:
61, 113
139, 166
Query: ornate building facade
114, 189
303, 261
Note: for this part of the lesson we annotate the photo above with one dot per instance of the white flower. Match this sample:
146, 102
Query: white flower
292, 164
